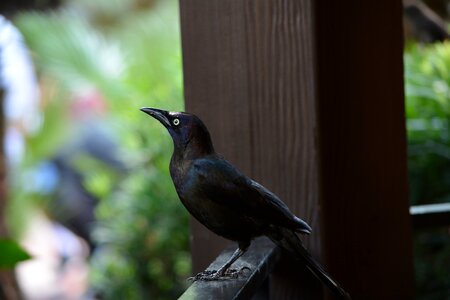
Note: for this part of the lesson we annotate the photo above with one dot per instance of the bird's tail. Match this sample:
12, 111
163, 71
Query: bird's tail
289, 241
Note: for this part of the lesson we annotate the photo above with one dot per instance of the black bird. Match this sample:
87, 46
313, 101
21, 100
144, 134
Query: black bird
227, 202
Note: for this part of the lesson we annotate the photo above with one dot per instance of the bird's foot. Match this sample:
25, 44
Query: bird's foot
211, 275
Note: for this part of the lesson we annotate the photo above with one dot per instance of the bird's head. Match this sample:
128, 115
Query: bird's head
188, 132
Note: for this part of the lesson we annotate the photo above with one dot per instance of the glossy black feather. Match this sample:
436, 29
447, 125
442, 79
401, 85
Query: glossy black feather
218, 181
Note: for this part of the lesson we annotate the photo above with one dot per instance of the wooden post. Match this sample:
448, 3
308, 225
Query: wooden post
306, 97
367, 228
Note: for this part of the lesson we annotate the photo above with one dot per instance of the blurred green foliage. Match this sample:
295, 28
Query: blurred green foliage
427, 74
12, 253
427, 79
129, 51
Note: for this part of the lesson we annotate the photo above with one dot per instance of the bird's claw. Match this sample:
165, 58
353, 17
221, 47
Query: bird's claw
206, 275
211, 275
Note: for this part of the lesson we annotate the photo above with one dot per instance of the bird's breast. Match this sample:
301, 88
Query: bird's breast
194, 190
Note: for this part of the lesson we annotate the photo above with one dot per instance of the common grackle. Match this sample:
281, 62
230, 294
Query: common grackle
227, 202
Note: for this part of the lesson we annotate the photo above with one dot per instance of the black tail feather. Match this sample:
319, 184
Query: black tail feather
289, 241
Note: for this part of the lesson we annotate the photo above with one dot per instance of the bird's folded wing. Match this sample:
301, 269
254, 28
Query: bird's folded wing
222, 183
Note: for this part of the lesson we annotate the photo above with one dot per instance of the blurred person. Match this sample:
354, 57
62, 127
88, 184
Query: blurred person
59, 255
20, 115
72, 203
21, 92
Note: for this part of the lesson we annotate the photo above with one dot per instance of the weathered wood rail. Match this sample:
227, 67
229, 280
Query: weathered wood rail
263, 255
260, 259
430, 215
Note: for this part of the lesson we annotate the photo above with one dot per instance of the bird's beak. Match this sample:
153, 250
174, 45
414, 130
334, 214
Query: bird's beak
158, 114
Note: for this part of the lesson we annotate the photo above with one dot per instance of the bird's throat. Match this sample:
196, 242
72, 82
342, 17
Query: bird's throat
184, 155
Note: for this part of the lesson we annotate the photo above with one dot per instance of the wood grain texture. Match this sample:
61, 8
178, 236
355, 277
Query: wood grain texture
366, 225
247, 72
306, 97
260, 259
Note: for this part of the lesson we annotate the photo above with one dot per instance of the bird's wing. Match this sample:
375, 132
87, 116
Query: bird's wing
222, 183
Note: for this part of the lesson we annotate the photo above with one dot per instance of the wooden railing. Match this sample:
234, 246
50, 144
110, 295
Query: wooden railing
430, 215
258, 262
256, 265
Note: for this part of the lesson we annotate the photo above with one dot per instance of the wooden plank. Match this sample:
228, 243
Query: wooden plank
430, 215
213, 83
260, 258
248, 73
367, 227
307, 98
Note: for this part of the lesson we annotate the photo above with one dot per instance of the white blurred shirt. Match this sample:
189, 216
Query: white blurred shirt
21, 91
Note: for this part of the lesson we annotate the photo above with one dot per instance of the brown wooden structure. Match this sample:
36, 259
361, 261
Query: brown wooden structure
306, 97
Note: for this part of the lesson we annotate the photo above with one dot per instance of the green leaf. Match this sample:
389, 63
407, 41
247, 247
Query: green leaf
11, 253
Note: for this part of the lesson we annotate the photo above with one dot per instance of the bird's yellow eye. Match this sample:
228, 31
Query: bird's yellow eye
176, 122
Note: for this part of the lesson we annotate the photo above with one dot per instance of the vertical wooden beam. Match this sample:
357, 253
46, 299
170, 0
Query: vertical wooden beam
249, 74
366, 224
307, 98
215, 87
